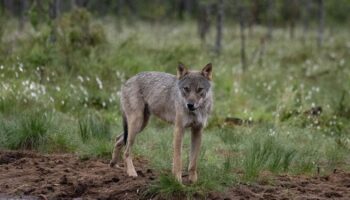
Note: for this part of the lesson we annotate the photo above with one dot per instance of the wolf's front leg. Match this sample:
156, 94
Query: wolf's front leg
196, 138
177, 149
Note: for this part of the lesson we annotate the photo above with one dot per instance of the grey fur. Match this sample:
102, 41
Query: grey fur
167, 97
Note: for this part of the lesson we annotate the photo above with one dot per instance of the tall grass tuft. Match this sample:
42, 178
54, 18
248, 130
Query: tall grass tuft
30, 131
97, 149
168, 187
93, 126
267, 154
95, 134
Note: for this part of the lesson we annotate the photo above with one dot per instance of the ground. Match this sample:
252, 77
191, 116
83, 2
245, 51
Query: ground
30, 175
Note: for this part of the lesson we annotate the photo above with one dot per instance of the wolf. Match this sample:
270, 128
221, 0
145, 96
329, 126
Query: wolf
185, 100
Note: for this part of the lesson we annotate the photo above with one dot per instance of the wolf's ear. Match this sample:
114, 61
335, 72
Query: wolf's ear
206, 71
181, 70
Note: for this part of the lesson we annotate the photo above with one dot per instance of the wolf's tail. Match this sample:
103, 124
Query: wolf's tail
125, 127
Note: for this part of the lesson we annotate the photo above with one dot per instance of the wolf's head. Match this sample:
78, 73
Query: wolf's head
194, 85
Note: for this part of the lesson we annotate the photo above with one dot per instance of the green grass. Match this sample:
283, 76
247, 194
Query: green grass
57, 98
269, 154
92, 126
30, 131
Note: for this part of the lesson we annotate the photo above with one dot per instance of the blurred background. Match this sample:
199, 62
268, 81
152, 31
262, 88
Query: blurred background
281, 77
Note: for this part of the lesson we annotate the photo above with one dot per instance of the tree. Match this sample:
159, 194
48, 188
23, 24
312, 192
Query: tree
203, 21
253, 15
130, 4
290, 11
219, 25
271, 16
320, 23
9, 7
185, 6
22, 13
241, 15
2, 7
306, 16
53, 13
80, 3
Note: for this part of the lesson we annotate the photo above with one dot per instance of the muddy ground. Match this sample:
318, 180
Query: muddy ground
28, 175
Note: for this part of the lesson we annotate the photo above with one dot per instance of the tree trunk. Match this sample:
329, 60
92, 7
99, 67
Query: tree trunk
188, 6
219, 25
132, 7
2, 7
53, 12
9, 7
58, 8
181, 9
306, 16
203, 22
271, 16
251, 17
320, 23
242, 36
73, 4
119, 7
81, 3
292, 13
22, 17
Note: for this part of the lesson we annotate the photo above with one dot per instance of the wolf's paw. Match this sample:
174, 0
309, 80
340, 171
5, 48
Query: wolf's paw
112, 163
192, 177
178, 177
131, 172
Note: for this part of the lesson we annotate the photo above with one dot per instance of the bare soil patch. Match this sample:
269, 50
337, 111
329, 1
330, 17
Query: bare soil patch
333, 186
65, 176
28, 175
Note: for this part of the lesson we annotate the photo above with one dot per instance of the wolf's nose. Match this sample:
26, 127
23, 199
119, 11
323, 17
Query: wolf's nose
190, 106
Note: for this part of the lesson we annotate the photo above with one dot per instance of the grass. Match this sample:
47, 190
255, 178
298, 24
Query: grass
30, 131
269, 154
92, 126
68, 99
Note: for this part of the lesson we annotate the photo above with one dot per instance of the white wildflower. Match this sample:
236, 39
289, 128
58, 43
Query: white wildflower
81, 79
20, 67
99, 82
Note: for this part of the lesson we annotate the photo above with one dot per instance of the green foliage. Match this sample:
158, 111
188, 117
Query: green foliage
30, 131
77, 33
96, 148
38, 13
41, 52
61, 141
93, 127
338, 11
168, 186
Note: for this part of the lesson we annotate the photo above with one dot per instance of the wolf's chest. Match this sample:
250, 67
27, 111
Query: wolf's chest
195, 119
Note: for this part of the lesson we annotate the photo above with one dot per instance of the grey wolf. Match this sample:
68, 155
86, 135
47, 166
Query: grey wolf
184, 100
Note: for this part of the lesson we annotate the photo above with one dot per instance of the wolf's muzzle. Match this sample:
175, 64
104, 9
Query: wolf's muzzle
191, 107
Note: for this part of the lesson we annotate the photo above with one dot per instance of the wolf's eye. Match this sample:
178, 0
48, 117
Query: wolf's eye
199, 90
186, 89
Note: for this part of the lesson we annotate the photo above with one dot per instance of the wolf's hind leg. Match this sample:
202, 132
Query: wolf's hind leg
119, 143
135, 122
